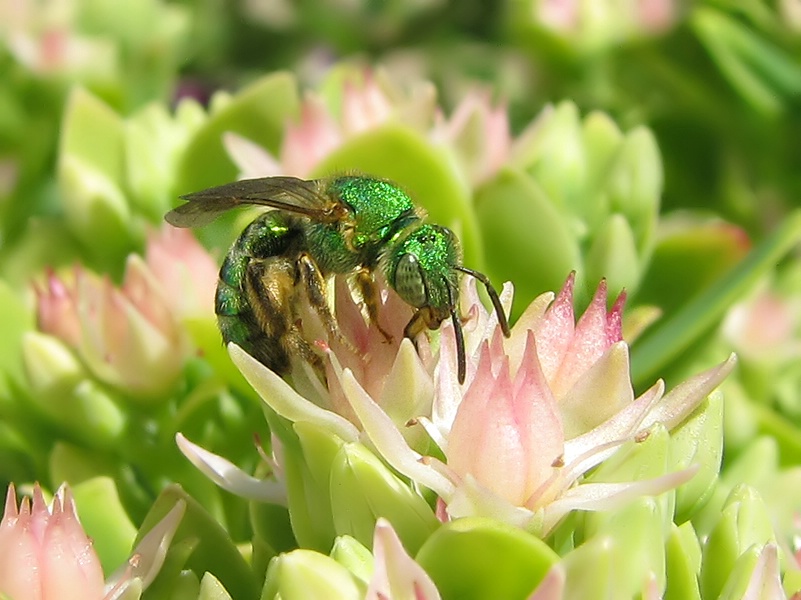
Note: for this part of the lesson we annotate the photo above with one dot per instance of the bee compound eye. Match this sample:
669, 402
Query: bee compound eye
409, 281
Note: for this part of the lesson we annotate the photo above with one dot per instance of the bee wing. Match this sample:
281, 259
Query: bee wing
285, 193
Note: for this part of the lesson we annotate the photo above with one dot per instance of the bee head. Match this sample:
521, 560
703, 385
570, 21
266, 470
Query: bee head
424, 271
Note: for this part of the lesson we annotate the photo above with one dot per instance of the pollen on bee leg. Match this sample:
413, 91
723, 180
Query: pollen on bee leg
321, 345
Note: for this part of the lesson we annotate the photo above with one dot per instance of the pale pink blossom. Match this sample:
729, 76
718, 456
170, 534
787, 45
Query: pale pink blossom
537, 410
44, 552
478, 133
132, 336
46, 555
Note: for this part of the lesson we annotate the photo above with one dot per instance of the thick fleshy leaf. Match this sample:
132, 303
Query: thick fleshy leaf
406, 157
205, 544
364, 489
682, 563
480, 558
258, 112
308, 575
534, 253
744, 523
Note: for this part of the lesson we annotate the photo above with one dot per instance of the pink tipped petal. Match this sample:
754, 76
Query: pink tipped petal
252, 160
600, 393
587, 346
230, 477
609, 496
614, 320
682, 400
512, 452
389, 442
555, 330
365, 106
278, 394
528, 321
552, 586
396, 575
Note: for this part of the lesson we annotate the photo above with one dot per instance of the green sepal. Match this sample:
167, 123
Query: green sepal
91, 180
74, 402
682, 563
364, 489
403, 155
272, 534
698, 441
17, 319
744, 522
212, 589
635, 535
634, 185
105, 521
613, 256
308, 575
535, 253
354, 556
477, 558
258, 112
211, 546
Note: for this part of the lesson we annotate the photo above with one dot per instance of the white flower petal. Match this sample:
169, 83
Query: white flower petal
280, 396
230, 477
389, 442
608, 496
148, 556
620, 427
470, 498
685, 397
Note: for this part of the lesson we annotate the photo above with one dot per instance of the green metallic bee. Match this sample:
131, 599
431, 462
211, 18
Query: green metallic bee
352, 225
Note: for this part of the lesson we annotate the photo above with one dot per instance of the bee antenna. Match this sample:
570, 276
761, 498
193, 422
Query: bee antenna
461, 355
494, 298
461, 359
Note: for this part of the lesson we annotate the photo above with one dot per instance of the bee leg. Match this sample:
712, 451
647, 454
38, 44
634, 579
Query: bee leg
314, 284
369, 293
270, 289
416, 325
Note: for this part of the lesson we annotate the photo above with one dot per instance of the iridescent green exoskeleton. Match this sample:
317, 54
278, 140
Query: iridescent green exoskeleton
352, 225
